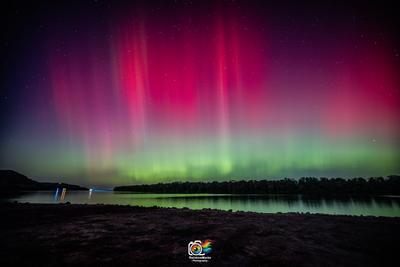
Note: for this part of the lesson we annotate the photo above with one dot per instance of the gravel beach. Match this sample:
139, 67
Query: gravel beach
107, 235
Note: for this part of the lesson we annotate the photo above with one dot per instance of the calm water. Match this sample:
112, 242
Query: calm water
377, 206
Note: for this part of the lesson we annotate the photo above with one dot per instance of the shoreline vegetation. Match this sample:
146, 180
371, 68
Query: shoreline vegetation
115, 235
305, 185
13, 182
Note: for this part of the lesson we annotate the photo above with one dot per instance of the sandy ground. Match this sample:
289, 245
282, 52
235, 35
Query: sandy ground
101, 235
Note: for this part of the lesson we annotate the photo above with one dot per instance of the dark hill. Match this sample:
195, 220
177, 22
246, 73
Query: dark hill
12, 181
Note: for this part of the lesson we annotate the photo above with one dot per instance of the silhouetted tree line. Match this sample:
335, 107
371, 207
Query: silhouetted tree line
305, 185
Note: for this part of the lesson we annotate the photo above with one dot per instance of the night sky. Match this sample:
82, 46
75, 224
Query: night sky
123, 92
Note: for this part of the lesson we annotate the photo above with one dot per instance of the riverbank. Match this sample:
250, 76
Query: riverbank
110, 235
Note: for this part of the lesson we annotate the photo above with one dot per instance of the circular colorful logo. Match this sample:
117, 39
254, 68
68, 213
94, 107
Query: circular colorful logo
196, 248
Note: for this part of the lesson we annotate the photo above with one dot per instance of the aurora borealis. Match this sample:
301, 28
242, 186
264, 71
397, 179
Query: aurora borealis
116, 93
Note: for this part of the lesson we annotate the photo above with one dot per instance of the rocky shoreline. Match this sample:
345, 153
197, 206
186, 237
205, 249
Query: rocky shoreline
111, 235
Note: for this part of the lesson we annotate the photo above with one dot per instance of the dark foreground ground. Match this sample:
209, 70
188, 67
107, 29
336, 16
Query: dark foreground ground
99, 235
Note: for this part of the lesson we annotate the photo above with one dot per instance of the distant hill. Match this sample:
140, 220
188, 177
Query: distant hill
12, 181
305, 185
